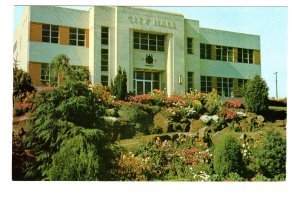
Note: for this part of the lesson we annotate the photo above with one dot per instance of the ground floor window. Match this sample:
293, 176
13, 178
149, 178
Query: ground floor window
46, 75
104, 80
225, 87
206, 84
190, 81
145, 82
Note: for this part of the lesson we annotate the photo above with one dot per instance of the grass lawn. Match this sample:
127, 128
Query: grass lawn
277, 108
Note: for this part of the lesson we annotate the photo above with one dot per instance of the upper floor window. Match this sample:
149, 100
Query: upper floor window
77, 37
245, 55
190, 46
104, 35
148, 41
50, 33
224, 53
205, 51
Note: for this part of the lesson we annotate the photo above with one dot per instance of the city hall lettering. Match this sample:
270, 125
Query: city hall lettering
152, 21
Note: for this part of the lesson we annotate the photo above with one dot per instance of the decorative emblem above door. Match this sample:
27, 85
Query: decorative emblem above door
149, 60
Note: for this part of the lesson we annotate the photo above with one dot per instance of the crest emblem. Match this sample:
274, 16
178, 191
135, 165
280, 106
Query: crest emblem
149, 59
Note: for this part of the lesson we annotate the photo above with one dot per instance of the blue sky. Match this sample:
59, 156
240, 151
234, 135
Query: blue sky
271, 23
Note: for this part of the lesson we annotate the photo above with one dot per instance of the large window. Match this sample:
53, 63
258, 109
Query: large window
190, 46
104, 35
104, 60
224, 53
148, 41
46, 74
50, 33
205, 51
245, 55
145, 82
206, 84
76, 37
190, 81
225, 87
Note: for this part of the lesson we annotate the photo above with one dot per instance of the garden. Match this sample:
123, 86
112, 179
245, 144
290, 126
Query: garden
75, 131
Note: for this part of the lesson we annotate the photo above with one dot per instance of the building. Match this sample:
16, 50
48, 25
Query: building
158, 50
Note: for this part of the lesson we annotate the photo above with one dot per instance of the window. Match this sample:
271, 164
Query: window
45, 74
145, 82
147, 41
242, 83
104, 60
225, 87
190, 46
76, 37
104, 35
245, 55
205, 51
206, 84
104, 80
224, 53
50, 33
190, 81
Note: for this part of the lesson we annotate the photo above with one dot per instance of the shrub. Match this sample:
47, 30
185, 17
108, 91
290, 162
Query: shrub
256, 95
213, 102
233, 103
137, 115
162, 122
119, 86
22, 84
271, 155
227, 156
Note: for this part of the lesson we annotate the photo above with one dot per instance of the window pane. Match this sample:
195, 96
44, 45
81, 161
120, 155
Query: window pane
73, 30
54, 28
81, 31
139, 75
72, 42
156, 76
80, 37
45, 38
148, 76
54, 40
80, 43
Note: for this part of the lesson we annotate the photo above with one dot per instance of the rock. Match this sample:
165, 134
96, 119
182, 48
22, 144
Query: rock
196, 125
202, 132
260, 119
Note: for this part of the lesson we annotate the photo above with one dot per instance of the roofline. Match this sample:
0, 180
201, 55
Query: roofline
230, 31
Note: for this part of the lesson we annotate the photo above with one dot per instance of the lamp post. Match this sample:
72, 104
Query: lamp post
276, 85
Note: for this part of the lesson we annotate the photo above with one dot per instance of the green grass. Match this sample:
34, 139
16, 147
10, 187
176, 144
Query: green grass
132, 144
277, 108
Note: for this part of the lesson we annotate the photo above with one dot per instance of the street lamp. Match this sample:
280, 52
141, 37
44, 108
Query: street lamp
276, 85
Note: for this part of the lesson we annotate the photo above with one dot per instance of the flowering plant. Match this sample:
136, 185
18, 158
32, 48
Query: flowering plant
233, 103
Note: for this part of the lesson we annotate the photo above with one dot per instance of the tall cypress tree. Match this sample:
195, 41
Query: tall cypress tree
119, 86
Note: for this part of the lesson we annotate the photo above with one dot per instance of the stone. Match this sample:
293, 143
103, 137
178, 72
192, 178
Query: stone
202, 132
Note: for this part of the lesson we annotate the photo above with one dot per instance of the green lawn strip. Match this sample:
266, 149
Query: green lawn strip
277, 108
131, 144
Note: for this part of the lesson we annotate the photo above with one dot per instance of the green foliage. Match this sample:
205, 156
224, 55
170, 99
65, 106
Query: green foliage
227, 156
81, 158
271, 155
256, 95
119, 86
213, 102
59, 115
22, 84
138, 116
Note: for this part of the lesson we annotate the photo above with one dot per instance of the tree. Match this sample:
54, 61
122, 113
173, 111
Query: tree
22, 84
228, 157
119, 86
65, 132
271, 155
256, 95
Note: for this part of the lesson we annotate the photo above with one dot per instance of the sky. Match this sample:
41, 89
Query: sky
271, 23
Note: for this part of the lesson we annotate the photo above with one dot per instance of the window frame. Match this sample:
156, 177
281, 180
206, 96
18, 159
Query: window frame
143, 41
190, 49
206, 82
245, 55
190, 81
78, 42
104, 61
225, 87
104, 35
51, 33
205, 51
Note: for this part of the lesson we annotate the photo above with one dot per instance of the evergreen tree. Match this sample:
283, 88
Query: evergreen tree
256, 95
22, 84
119, 87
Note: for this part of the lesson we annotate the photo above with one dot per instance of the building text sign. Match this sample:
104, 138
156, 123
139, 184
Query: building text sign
143, 20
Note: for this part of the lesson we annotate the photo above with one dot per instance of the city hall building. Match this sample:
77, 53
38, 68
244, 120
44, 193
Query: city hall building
158, 49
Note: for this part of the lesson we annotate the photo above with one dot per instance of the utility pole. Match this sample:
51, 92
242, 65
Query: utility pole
276, 86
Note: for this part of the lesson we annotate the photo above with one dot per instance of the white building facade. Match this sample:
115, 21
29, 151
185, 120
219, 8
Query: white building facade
158, 50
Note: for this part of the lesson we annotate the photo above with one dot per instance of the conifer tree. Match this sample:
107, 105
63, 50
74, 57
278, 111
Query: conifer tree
119, 86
